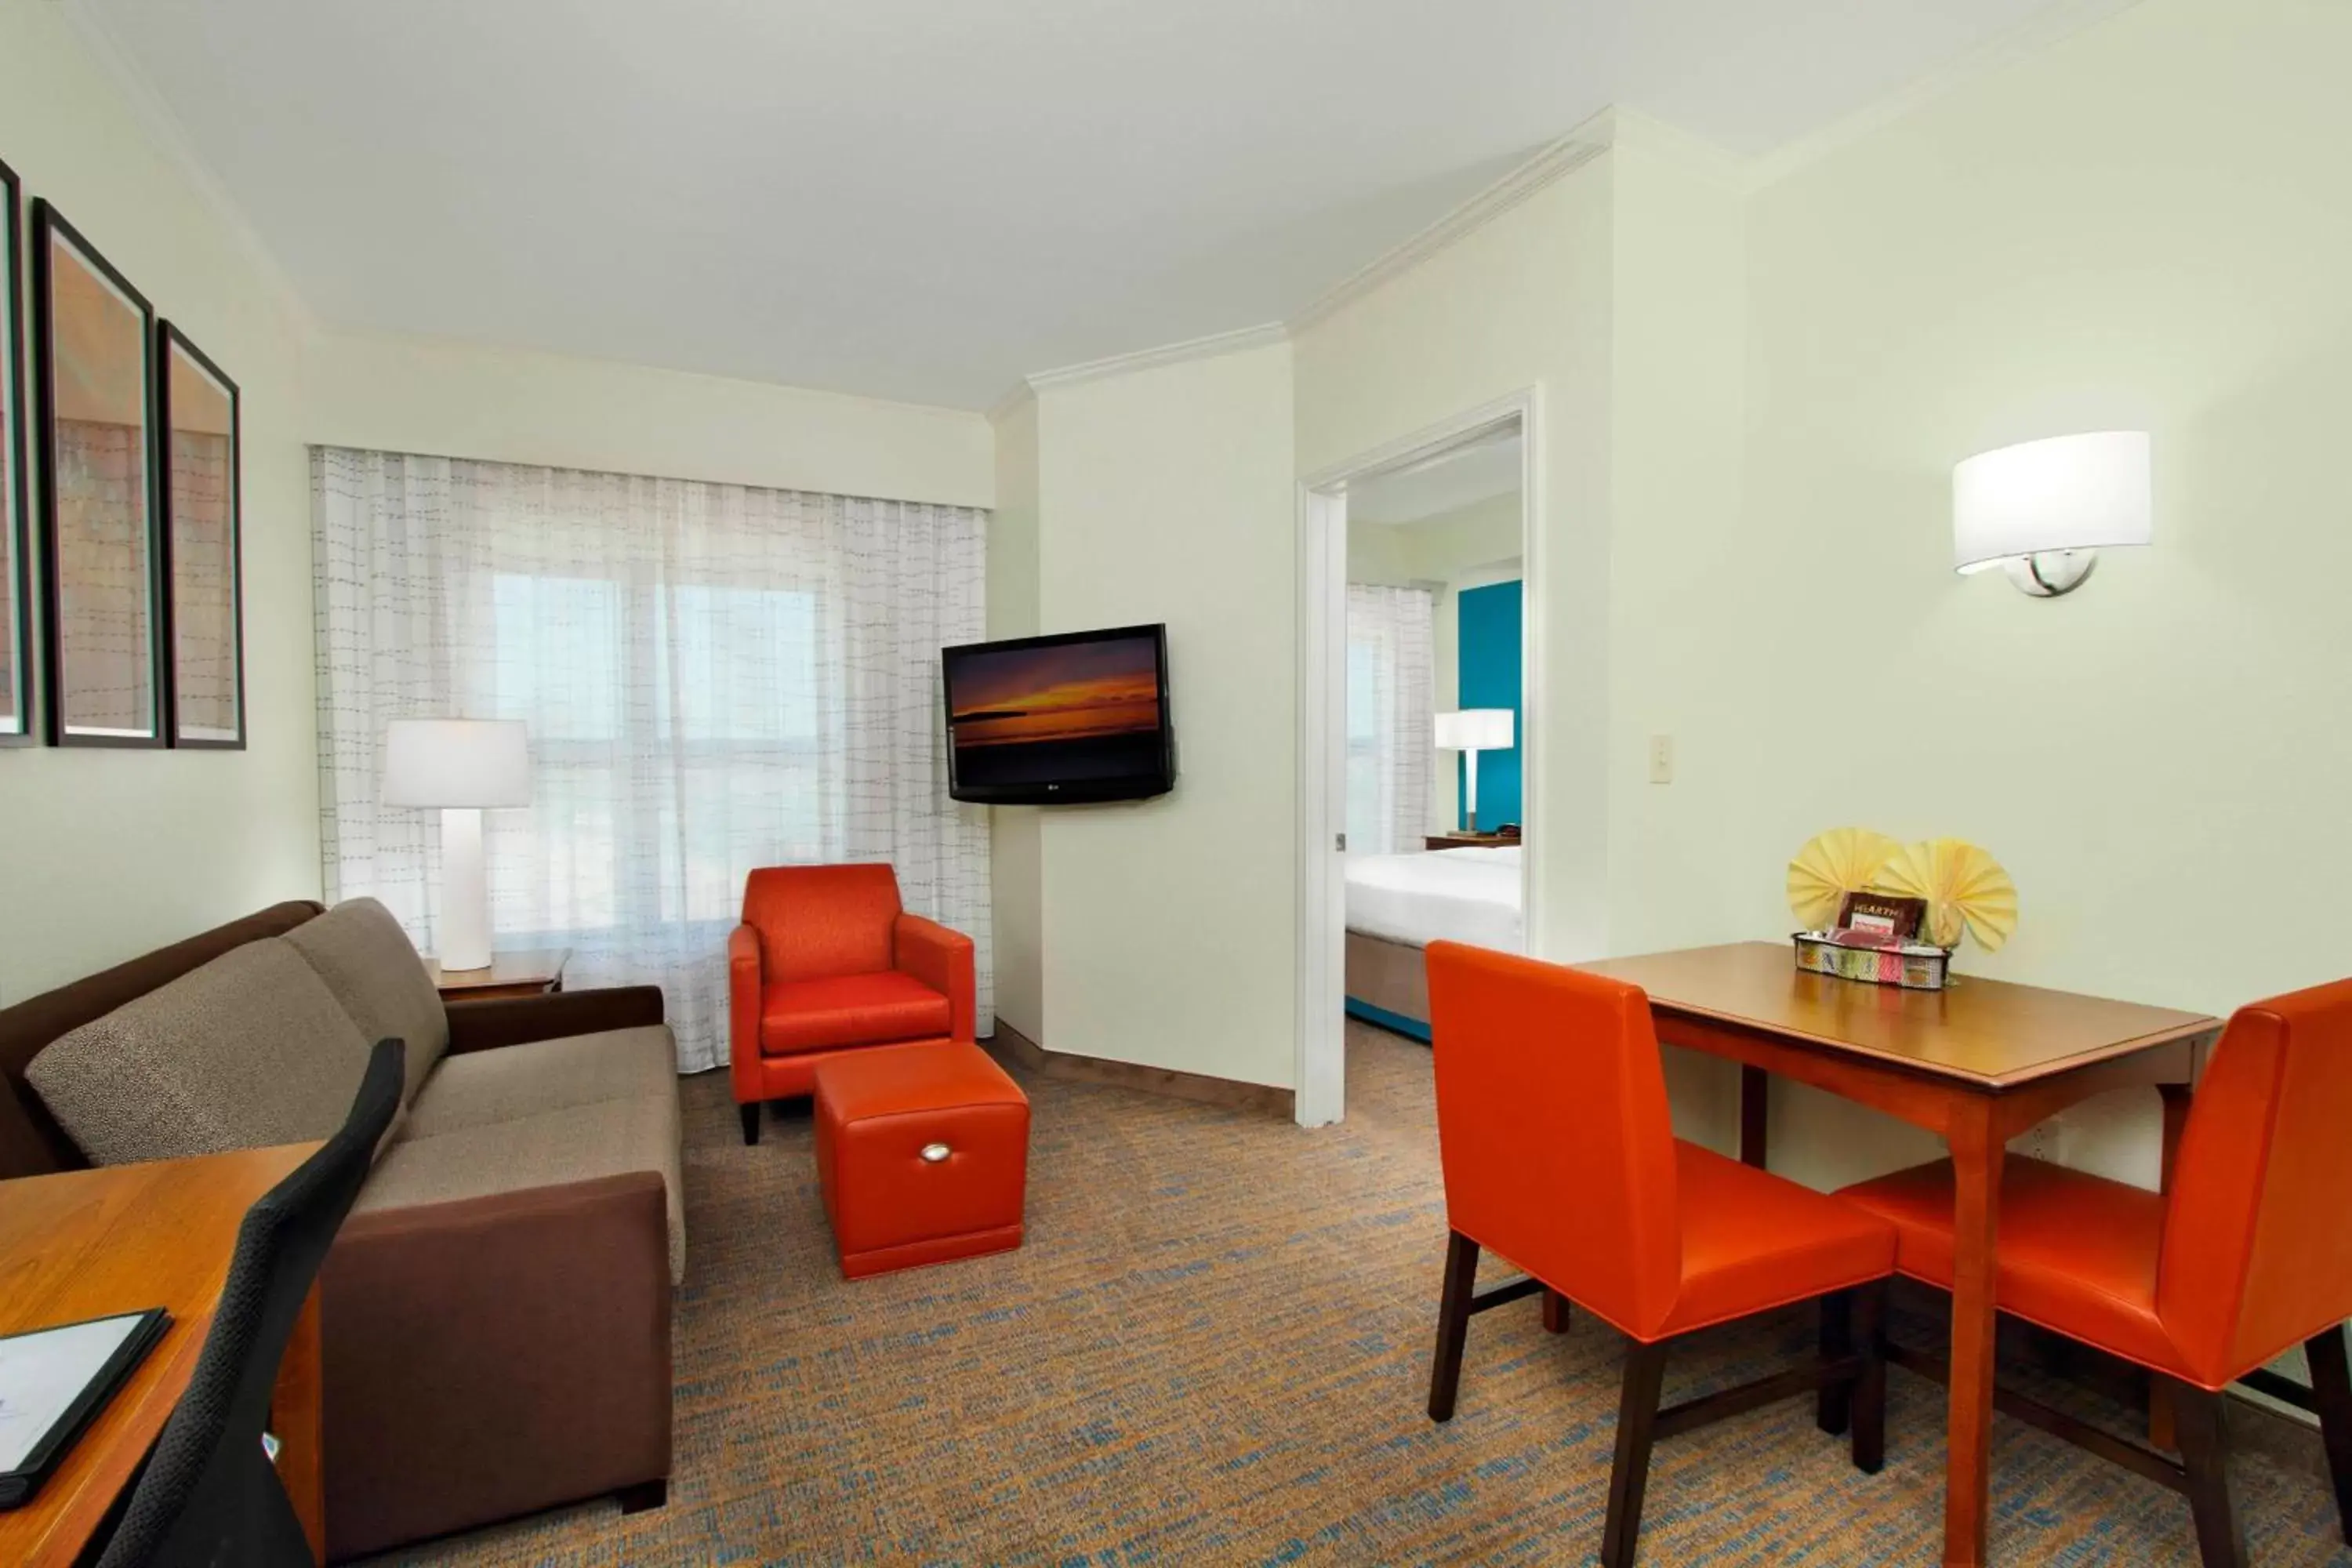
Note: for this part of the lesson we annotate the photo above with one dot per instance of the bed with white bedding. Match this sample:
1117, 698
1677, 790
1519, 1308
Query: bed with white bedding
1399, 903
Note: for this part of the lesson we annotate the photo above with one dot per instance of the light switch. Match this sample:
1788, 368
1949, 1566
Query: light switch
1662, 759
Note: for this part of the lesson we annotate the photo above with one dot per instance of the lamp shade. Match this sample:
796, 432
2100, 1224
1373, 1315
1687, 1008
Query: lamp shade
1474, 730
456, 762
2069, 492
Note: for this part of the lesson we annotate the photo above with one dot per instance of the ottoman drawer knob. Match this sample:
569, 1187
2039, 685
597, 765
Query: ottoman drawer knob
934, 1152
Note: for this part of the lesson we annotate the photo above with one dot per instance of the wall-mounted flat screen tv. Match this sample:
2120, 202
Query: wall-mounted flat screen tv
1082, 716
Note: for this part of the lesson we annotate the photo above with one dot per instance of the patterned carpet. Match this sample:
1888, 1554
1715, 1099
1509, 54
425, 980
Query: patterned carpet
1214, 1349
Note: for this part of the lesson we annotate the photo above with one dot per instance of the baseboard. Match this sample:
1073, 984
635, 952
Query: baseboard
1017, 1049
1394, 1022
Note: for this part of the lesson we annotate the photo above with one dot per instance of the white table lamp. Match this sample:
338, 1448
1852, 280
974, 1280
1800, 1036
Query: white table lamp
1470, 732
463, 766
2041, 510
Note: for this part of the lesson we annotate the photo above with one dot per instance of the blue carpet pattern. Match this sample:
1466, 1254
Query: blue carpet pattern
1214, 1349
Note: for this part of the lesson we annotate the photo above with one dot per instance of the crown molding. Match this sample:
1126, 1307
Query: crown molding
148, 107
1693, 152
1552, 162
1006, 406
1210, 347
2045, 29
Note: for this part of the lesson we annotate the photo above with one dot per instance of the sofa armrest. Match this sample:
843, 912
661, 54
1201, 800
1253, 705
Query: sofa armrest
516, 1020
744, 984
492, 1356
942, 960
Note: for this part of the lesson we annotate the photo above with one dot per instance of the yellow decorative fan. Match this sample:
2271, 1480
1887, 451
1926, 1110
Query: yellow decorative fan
1841, 861
1964, 887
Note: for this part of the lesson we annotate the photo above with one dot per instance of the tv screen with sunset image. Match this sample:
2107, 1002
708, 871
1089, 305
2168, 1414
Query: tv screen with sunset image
1060, 718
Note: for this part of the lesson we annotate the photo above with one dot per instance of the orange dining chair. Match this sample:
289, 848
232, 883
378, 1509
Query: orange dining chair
1557, 1152
2249, 1255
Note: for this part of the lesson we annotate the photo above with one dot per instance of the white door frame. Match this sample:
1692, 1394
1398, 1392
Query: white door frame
1321, 1069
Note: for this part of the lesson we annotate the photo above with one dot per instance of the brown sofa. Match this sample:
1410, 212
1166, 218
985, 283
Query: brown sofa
495, 1316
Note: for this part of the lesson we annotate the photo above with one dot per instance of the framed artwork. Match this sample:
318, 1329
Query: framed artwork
101, 548
196, 412
16, 537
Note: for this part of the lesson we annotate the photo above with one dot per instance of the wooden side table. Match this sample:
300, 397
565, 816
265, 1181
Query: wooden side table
525, 974
1471, 841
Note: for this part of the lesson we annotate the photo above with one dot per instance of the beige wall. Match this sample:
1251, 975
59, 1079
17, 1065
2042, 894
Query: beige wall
467, 400
109, 853
1015, 868
1522, 302
1617, 291
1167, 926
2148, 225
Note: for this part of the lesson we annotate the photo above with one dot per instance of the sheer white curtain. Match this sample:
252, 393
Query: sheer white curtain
1391, 751
715, 679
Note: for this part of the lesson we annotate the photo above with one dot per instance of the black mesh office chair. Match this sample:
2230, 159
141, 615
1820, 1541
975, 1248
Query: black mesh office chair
210, 1497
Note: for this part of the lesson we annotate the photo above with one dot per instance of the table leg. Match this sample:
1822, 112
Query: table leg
1755, 1101
1977, 1154
294, 1417
2177, 1099
2161, 1431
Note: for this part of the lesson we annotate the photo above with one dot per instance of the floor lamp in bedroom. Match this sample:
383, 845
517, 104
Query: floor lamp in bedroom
1470, 732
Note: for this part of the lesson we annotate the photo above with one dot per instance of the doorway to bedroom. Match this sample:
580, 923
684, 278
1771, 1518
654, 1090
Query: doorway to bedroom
1417, 756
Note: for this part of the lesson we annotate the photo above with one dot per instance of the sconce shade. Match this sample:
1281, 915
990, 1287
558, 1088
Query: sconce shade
2069, 492
456, 762
1474, 730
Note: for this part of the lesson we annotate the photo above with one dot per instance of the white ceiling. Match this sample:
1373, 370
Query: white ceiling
1460, 479
926, 199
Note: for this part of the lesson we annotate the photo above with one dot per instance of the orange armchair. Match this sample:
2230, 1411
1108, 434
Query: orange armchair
826, 961
1557, 1152
2246, 1256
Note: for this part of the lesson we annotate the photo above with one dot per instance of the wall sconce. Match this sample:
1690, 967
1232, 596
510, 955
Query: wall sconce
2041, 510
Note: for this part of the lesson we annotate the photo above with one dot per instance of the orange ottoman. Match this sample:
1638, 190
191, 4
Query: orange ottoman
922, 1152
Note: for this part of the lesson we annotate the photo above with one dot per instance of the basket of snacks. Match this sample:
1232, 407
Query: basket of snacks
1893, 914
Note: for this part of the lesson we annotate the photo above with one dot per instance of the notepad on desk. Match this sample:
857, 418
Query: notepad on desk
54, 1382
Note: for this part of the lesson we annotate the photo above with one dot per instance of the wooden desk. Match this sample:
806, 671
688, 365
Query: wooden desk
526, 974
1979, 1063
87, 1244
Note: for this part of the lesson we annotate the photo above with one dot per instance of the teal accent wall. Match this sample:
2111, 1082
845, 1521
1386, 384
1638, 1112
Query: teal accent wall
1489, 623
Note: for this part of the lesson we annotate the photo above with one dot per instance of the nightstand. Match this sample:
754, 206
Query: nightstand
526, 974
1472, 841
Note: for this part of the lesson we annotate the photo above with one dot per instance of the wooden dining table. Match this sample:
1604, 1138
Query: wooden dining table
1978, 1062
91, 1244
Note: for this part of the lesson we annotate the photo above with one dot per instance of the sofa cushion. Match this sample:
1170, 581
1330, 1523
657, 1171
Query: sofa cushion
477, 1088
250, 1049
369, 964
850, 1010
576, 1143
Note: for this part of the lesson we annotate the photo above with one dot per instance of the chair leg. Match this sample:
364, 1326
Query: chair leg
1453, 1323
750, 1122
1833, 1404
2200, 1421
1869, 1394
2331, 1387
1555, 1311
1637, 1413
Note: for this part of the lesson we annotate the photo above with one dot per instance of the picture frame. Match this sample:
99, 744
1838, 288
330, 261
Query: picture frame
200, 486
17, 681
103, 610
